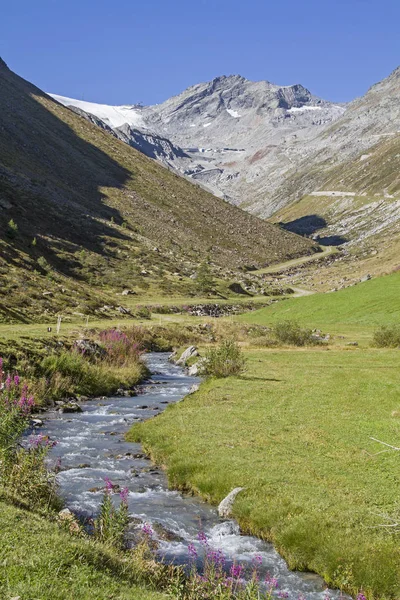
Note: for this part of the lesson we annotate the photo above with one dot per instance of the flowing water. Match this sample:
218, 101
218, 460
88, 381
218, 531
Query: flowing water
91, 446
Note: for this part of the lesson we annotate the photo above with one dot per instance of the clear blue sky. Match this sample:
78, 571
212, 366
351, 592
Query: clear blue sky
125, 51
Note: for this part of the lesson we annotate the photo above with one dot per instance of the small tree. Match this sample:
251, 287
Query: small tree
204, 278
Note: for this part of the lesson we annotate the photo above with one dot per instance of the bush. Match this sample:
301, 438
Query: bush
12, 228
387, 337
143, 312
225, 360
290, 332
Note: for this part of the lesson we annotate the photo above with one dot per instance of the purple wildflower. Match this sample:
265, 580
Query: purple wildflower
272, 582
16, 380
192, 551
283, 594
109, 485
201, 536
236, 571
147, 530
257, 561
361, 596
124, 493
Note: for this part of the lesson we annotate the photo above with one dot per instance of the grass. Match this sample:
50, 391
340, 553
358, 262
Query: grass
295, 431
40, 561
353, 310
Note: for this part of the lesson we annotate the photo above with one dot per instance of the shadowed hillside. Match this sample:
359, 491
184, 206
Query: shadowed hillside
78, 207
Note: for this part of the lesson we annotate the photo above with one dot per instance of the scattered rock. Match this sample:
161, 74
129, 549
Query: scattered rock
89, 347
195, 388
128, 293
37, 422
48, 294
352, 344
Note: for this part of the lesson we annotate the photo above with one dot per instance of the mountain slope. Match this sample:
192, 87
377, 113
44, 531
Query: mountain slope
82, 214
353, 182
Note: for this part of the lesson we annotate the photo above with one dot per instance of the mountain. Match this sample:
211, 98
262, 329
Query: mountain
239, 136
324, 170
84, 215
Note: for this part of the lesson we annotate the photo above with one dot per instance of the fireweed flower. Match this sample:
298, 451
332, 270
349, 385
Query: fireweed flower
16, 380
283, 595
147, 530
361, 596
109, 485
201, 536
192, 551
8, 382
236, 571
124, 493
272, 582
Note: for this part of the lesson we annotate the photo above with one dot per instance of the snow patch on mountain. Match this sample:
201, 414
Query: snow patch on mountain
233, 113
114, 116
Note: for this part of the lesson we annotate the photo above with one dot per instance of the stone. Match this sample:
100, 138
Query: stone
37, 422
188, 353
365, 278
71, 407
236, 288
225, 507
122, 310
195, 388
48, 294
128, 293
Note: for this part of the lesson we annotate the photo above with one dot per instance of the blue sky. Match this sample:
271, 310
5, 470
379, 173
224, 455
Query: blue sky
126, 51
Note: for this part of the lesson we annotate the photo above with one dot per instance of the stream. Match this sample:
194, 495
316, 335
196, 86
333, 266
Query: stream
91, 446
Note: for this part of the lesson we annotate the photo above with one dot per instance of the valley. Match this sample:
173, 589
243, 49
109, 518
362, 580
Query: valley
199, 298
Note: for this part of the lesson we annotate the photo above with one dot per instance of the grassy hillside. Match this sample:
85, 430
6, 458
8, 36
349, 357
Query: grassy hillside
79, 208
364, 306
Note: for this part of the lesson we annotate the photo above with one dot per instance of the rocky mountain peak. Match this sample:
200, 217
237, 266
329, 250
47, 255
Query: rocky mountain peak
2, 64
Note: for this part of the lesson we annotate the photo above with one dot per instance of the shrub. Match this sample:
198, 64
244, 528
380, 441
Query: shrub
387, 337
290, 332
12, 228
142, 312
225, 360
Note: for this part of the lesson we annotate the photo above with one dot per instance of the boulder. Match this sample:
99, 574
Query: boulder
236, 288
128, 293
195, 388
188, 353
225, 507
70, 407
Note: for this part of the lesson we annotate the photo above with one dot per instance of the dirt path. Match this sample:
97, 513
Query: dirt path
326, 251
